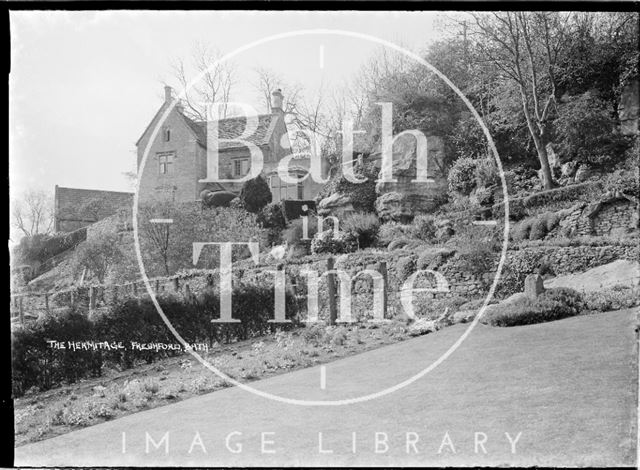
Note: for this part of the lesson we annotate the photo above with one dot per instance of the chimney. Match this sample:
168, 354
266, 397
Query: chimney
276, 102
167, 94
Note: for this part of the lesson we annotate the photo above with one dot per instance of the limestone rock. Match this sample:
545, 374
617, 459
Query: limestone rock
393, 206
336, 204
464, 316
568, 170
415, 197
422, 326
533, 286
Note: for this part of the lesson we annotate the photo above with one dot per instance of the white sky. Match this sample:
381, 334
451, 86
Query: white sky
84, 85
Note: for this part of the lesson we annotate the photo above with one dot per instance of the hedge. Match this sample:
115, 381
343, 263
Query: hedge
36, 364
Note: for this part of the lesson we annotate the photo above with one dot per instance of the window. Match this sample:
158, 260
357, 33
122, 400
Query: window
281, 190
165, 162
300, 191
240, 167
167, 135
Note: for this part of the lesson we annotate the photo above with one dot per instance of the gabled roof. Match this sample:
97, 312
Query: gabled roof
228, 128
231, 128
71, 203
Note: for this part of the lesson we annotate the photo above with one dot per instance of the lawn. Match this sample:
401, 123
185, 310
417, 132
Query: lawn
41, 415
569, 386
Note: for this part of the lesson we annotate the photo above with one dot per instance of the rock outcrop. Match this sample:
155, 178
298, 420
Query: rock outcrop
403, 199
336, 204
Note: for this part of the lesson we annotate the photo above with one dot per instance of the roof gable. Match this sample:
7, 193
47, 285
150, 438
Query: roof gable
73, 203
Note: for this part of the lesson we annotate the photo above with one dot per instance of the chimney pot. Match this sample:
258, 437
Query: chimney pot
167, 94
276, 101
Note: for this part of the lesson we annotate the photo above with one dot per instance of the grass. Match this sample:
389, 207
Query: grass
42, 415
570, 388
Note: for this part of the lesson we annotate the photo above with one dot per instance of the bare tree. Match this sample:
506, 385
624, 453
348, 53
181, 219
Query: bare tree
33, 213
215, 84
268, 81
525, 47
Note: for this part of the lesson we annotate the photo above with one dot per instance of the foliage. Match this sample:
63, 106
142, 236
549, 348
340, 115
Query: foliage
423, 227
272, 218
484, 196
41, 247
587, 132
334, 241
433, 258
462, 176
294, 235
255, 194
553, 304
97, 256
615, 298
167, 248
391, 231
405, 267
516, 268
364, 226
486, 173
37, 364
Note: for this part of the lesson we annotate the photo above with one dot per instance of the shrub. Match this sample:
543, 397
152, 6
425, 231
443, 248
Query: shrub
521, 230
405, 267
293, 235
97, 256
484, 196
391, 231
486, 173
423, 227
35, 363
462, 176
538, 229
433, 258
553, 304
272, 218
364, 226
615, 298
255, 194
334, 241
42, 247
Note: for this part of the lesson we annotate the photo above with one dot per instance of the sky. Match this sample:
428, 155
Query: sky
84, 85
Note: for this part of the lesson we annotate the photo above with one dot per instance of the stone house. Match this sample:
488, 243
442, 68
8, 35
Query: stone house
177, 158
76, 208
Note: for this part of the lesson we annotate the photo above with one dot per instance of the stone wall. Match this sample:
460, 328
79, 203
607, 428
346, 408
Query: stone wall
464, 279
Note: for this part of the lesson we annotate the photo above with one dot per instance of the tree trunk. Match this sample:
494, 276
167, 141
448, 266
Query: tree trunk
541, 149
539, 141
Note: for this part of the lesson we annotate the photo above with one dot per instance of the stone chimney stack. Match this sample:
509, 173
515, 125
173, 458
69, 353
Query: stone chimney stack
167, 94
276, 102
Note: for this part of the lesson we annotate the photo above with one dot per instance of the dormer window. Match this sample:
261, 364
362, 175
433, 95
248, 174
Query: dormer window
167, 135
